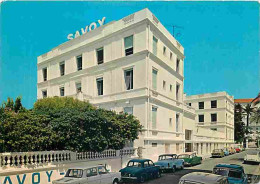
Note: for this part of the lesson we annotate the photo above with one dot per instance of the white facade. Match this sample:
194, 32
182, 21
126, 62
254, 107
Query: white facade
213, 121
148, 82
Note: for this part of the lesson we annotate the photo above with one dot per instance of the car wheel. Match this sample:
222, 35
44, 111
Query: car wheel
142, 179
115, 181
182, 166
174, 169
158, 174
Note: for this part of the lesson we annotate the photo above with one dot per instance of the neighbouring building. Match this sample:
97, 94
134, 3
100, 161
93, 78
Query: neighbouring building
213, 121
132, 65
255, 127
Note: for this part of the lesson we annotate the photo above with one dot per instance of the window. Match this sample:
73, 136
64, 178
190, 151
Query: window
79, 62
154, 144
100, 55
62, 91
170, 87
177, 65
201, 118
214, 129
44, 94
129, 81
170, 55
128, 110
129, 49
177, 91
102, 170
189, 104
201, 105
100, 86
164, 50
62, 68
155, 40
78, 87
177, 122
214, 104
164, 85
91, 172
44, 73
170, 122
213, 117
154, 117
154, 79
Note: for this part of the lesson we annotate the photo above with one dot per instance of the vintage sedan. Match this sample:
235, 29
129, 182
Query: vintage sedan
252, 157
203, 178
218, 153
235, 173
169, 162
226, 151
139, 170
190, 158
89, 175
232, 150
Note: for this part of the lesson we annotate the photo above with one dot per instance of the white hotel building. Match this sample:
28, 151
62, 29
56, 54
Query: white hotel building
133, 65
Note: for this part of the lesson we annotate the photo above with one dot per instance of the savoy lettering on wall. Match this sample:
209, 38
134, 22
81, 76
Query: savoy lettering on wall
88, 28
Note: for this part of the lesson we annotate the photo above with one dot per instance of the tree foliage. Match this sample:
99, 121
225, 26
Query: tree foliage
64, 124
240, 129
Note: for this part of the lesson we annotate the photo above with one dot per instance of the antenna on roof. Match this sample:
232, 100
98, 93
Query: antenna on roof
175, 34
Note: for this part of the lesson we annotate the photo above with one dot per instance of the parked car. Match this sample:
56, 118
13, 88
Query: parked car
252, 157
203, 178
226, 151
169, 162
235, 173
232, 150
190, 159
140, 170
238, 150
89, 175
218, 153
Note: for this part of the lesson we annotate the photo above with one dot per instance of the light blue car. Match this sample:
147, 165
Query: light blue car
226, 152
169, 162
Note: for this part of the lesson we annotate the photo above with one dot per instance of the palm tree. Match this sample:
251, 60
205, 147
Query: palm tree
248, 110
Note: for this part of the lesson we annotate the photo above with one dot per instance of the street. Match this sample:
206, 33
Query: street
207, 166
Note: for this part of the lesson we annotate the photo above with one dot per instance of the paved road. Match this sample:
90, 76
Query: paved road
207, 166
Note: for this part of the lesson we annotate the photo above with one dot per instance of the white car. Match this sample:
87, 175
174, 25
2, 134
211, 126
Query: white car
252, 157
203, 178
89, 175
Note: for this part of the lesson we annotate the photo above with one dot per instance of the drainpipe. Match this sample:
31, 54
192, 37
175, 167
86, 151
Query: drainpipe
148, 80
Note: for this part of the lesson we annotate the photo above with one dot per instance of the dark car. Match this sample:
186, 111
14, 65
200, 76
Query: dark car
235, 173
140, 170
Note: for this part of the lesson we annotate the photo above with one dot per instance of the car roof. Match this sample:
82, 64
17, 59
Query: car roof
202, 177
167, 154
88, 167
187, 153
139, 160
232, 166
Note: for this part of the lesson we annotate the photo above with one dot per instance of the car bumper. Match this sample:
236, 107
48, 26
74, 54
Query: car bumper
216, 155
126, 179
187, 164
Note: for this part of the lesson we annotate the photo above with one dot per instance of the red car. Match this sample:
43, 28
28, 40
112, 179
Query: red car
238, 150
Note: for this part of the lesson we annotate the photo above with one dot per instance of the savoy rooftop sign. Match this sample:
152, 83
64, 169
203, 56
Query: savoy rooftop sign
88, 28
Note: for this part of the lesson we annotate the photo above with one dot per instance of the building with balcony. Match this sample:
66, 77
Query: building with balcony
133, 65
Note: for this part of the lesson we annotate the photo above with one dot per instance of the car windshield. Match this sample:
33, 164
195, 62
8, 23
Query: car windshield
226, 172
184, 156
216, 150
91, 172
74, 173
166, 157
134, 164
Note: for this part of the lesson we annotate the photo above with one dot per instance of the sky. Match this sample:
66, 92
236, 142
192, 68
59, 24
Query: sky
221, 41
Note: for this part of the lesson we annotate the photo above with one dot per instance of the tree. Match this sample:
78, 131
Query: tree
239, 124
18, 104
9, 104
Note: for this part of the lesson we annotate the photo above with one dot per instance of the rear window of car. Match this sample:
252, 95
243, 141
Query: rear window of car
228, 172
134, 164
184, 156
74, 173
166, 157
